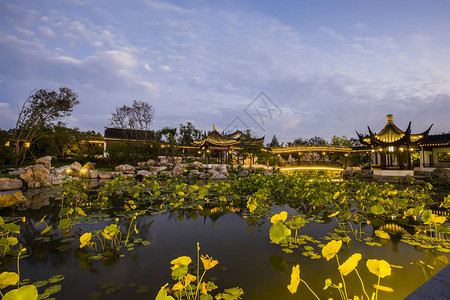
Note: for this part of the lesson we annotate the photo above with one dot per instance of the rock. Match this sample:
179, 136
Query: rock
157, 169
163, 160
17, 171
267, 173
76, 166
196, 165
178, 170
36, 175
105, 175
7, 200
61, 171
222, 169
125, 169
89, 166
202, 175
46, 161
10, 184
243, 173
165, 173
218, 176
92, 174
194, 172
440, 173
57, 180
145, 173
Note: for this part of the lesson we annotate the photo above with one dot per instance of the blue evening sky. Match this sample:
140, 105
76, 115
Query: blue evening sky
325, 67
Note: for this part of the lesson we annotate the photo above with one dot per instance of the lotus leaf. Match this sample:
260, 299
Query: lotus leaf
162, 294
85, 239
330, 249
382, 234
381, 268
26, 292
8, 278
377, 209
181, 261
281, 217
279, 232
350, 264
295, 279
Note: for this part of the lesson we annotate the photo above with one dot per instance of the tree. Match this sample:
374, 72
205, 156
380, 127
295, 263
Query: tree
42, 107
274, 142
138, 116
188, 133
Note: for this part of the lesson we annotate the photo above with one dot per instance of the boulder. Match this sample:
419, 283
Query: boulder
125, 168
7, 200
163, 160
440, 173
76, 166
218, 176
10, 184
105, 175
178, 170
46, 161
17, 171
64, 170
57, 180
244, 173
165, 173
36, 175
267, 173
196, 165
89, 166
145, 173
157, 169
92, 174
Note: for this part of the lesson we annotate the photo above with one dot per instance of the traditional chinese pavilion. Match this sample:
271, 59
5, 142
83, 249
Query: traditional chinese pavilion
219, 146
392, 147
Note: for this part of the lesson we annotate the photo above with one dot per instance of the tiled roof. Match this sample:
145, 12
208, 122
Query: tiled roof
436, 139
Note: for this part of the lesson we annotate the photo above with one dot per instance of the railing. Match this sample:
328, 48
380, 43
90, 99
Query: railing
312, 164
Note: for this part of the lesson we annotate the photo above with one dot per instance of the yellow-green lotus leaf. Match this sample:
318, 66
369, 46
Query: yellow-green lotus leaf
382, 234
381, 268
26, 292
8, 278
281, 217
330, 249
350, 264
181, 261
162, 294
85, 239
295, 279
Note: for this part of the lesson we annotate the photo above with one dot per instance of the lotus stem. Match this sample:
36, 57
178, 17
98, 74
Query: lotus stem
362, 284
309, 288
343, 280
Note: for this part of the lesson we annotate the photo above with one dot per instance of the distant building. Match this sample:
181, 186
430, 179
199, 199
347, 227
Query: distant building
435, 152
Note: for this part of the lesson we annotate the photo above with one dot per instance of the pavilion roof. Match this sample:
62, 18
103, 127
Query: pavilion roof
392, 135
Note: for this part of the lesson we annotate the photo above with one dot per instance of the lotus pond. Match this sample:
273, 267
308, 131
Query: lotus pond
260, 237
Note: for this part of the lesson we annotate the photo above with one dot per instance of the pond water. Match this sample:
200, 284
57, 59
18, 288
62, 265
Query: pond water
247, 258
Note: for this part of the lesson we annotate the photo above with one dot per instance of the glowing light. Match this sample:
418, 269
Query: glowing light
391, 148
401, 149
82, 171
312, 168
7, 144
27, 144
68, 171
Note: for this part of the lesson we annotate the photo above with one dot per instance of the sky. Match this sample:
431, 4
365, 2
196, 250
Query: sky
290, 68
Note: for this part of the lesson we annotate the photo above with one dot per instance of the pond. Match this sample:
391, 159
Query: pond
227, 232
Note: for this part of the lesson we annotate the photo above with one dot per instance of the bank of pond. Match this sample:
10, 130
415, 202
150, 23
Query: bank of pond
258, 237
